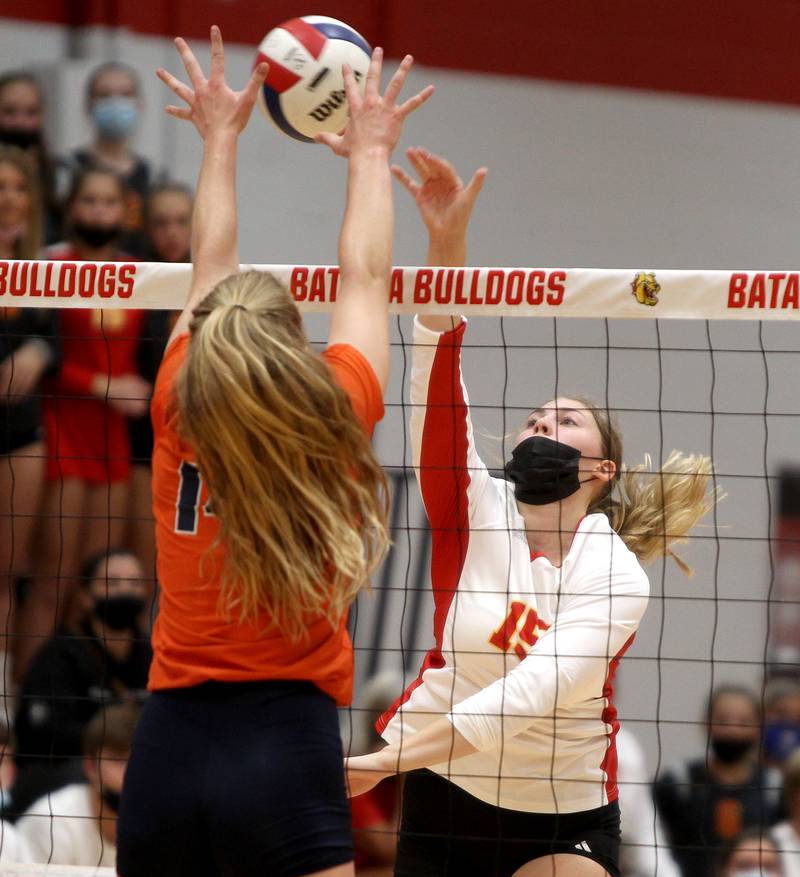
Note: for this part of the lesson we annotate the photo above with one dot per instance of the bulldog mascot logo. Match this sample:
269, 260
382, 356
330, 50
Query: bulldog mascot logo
646, 288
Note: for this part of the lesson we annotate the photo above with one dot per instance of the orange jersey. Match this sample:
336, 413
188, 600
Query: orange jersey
193, 642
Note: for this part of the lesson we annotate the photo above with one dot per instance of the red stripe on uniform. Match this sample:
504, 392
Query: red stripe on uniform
443, 476
307, 35
609, 716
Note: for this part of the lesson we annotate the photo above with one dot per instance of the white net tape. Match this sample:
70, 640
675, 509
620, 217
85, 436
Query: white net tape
542, 292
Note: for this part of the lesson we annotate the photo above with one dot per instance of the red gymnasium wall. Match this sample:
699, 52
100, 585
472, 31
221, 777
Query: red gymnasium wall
727, 48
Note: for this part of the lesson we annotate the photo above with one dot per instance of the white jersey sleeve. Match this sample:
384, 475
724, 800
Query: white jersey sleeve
569, 662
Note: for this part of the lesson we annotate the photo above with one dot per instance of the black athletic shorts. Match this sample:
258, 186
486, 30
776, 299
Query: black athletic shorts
446, 832
239, 779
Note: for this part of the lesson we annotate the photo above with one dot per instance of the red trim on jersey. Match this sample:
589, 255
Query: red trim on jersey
609, 716
307, 35
279, 78
443, 458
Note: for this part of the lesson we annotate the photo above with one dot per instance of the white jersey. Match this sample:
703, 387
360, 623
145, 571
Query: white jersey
60, 828
788, 842
525, 652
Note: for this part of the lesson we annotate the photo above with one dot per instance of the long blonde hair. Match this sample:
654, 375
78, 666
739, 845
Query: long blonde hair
300, 496
652, 509
29, 245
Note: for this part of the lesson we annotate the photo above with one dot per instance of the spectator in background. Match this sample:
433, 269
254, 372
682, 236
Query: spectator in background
114, 105
27, 351
787, 833
644, 850
85, 415
168, 226
751, 854
781, 719
707, 802
77, 825
22, 125
77, 672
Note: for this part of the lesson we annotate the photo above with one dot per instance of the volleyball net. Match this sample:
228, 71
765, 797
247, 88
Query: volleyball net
701, 361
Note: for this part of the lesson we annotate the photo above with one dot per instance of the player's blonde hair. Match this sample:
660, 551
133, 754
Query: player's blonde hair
30, 243
652, 509
300, 496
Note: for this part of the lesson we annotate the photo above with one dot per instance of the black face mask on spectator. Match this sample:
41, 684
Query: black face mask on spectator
119, 613
96, 236
111, 799
729, 750
23, 138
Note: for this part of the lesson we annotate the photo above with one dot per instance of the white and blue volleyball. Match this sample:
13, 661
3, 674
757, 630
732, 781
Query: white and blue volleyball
303, 94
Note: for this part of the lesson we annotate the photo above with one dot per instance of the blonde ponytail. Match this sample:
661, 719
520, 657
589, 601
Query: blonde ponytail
653, 510
300, 497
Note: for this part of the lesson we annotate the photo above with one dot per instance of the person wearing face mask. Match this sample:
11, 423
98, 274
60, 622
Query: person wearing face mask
114, 106
751, 854
22, 126
78, 672
77, 825
27, 353
787, 833
507, 736
88, 404
706, 802
781, 719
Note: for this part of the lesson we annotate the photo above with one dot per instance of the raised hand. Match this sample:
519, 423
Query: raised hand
212, 104
444, 202
374, 120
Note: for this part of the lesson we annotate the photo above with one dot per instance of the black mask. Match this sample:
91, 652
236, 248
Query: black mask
728, 750
96, 236
22, 138
119, 613
111, 799
544, 471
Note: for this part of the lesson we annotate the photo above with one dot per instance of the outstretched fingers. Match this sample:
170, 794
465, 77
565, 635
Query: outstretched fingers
181, 90
217, 56
373, 84
476, 183
255, 82
410, 184
414, 103
179, 112
398, 80
351, 89
193, 68
416, 158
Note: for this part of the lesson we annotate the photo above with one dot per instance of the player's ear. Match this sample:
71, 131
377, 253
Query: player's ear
605, 470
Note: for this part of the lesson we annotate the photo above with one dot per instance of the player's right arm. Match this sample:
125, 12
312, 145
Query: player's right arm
445, 205
361, 314
220, 115
451, 475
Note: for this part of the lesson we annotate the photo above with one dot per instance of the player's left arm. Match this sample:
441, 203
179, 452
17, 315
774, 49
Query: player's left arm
568, 664
220, 115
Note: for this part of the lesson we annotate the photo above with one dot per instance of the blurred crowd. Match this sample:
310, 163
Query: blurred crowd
77, 556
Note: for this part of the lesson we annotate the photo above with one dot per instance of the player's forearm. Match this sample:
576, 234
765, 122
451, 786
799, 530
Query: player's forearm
214, 229
365, 242
439, 743
448, 251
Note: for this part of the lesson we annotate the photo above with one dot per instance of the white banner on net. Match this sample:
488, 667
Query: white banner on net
533, 292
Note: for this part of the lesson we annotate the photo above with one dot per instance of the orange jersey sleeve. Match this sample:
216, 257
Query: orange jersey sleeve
193, 640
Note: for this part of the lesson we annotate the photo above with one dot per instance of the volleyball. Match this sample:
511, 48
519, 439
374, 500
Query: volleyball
303, 94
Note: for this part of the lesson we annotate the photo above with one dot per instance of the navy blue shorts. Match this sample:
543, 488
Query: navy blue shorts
446, 832
239, 779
